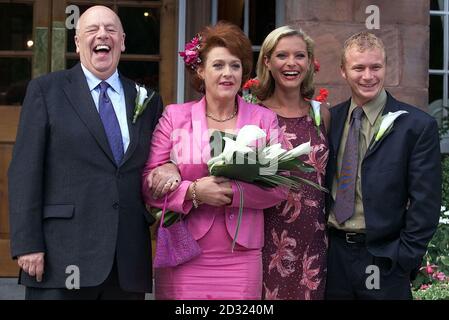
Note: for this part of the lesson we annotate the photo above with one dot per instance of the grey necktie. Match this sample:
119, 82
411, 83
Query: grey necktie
345, 198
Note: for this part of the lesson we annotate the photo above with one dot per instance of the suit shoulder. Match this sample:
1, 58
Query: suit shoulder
179, 108
52, 77
48, 81
339, 106
416, 114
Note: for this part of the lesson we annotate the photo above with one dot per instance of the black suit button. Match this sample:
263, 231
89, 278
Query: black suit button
115, 206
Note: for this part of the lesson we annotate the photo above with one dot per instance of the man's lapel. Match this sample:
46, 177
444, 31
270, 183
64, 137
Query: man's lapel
390, 106
78, 93
129, 88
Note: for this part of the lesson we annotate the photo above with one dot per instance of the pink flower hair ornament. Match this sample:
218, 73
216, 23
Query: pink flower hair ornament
191, 53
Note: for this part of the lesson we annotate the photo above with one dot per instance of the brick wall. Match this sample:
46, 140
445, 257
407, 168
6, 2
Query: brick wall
404, 28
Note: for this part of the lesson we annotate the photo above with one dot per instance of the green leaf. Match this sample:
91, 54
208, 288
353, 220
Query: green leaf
243, 172
295, 163
445, 260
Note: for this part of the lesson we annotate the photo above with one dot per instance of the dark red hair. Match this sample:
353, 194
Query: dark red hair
227, 35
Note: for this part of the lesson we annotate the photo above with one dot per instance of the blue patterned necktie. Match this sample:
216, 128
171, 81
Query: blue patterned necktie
345, 197
110, 123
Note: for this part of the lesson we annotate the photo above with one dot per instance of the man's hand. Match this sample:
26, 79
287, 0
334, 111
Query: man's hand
163, 179
33, 264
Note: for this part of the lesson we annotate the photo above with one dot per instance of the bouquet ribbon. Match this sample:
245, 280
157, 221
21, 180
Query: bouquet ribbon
239, 219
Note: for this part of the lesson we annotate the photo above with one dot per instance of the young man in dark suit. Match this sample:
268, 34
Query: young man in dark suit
385, 197
76, 211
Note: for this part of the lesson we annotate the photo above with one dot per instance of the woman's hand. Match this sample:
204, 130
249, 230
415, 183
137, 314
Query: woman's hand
163, 179
214, 191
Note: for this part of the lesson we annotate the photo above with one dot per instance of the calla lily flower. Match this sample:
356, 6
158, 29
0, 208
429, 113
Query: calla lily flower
271, 153
142, 94
246, 135
231, 147
316, 112
304, 148
387, 122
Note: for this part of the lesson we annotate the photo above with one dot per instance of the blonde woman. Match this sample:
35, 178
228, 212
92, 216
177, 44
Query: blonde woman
294, 255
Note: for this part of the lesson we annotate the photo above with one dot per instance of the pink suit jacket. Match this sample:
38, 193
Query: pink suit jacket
182, 136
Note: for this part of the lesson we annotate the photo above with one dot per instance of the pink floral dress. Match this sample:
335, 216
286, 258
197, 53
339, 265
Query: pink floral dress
294, 255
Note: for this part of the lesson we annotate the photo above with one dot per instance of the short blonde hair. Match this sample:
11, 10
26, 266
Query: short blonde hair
266, 80
362, 41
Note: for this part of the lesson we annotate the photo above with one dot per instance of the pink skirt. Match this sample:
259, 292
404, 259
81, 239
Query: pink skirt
217, 274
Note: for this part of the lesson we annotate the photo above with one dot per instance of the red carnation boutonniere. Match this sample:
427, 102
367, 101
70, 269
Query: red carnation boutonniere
316, 103
248, 96
322, 96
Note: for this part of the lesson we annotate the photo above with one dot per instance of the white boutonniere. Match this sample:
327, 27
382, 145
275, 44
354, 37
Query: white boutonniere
386, 125
142, 101
315, 110
315, 114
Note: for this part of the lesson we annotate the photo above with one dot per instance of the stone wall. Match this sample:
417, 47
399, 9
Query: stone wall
404, 28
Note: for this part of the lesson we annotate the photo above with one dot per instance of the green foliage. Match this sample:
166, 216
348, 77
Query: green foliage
444, 127
438, 249
437, 255
445, 177
436, 291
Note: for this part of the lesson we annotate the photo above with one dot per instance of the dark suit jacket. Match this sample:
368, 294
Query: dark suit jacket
401, 184
68, 198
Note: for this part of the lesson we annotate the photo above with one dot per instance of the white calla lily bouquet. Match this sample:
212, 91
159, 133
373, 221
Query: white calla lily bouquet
238, 159
267, 167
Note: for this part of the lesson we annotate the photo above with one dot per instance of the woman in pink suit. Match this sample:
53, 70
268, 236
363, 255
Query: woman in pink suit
221, 59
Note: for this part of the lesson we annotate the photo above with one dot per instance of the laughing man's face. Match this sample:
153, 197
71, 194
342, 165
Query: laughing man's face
100, 40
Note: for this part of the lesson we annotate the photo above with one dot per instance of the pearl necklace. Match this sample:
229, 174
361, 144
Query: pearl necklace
232, 116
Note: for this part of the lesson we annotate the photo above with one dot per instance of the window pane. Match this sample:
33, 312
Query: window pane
16, 26
436, 96
146, 73
262, 20
71, 32
436, 42
15, 74
141, 26
232, 11
71, 63
255, 57
434, 5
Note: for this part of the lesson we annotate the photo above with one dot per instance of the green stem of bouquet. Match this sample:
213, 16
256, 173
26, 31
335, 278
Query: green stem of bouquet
239, 219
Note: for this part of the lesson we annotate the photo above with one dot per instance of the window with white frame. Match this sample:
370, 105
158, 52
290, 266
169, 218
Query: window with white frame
439, 65
256, 18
